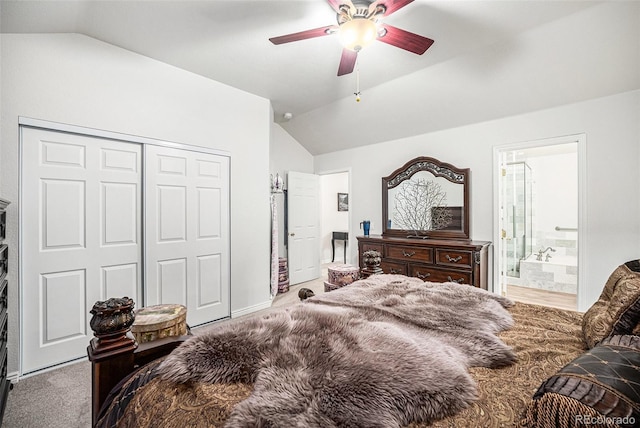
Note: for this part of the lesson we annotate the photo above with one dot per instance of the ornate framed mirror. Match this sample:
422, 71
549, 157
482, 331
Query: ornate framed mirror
426, 198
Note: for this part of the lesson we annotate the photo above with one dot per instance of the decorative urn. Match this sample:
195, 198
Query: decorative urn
112, 317
371, 258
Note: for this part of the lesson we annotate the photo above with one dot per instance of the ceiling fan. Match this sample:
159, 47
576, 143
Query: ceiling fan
359, 24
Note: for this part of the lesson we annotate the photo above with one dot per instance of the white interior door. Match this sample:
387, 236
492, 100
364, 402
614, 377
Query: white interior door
187, 242
303, 226
81, 234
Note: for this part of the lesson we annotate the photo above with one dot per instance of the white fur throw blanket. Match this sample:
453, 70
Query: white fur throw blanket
381, 352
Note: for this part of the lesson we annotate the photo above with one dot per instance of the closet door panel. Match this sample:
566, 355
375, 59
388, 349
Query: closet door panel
120, 280
119, 214
81, 238
63, 296
171, 209
187, 231
63, 199
172, 280
209, 280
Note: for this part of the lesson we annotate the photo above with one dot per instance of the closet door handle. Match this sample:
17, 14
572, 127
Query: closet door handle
452, 259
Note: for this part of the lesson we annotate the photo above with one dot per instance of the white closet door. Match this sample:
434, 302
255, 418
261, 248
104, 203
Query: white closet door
81, 238
187, 232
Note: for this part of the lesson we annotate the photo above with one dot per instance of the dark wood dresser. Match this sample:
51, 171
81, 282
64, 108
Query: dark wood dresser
4, 259
436, 260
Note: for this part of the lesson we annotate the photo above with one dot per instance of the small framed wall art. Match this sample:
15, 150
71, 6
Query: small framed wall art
343, 202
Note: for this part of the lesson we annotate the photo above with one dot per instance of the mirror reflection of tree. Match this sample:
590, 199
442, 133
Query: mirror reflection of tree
420, 205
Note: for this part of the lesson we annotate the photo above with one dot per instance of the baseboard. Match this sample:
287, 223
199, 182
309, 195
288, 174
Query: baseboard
251, 309
15, 377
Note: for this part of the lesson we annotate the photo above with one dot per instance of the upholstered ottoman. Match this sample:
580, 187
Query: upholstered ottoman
341, 275
159, 321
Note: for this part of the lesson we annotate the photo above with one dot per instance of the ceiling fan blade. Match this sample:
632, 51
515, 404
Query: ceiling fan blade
302, 35
405, 40
390, 5
347, 61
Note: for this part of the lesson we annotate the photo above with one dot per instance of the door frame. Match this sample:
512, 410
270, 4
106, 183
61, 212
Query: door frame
27, 122
581, 140
351, 241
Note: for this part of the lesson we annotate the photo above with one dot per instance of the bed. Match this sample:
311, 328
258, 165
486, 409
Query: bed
527, 380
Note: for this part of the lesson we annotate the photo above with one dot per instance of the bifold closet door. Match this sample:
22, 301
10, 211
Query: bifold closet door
187, 242
81, 238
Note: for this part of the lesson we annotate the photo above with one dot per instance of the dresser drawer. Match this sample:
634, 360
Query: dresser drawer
366, 246
3, 367
3, 225
3, 294
439, 275
457, 258
4, 259
437, 260
399, 252
393, 267
4, 331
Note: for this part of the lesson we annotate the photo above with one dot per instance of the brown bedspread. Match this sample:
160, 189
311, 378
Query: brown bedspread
544, 339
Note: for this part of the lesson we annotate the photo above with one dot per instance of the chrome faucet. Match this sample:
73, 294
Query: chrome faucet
542, 252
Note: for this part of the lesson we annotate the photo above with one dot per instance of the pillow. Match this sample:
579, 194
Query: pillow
600, 387
617, 311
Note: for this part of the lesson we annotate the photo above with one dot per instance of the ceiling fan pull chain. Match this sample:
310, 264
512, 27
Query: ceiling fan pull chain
357, 92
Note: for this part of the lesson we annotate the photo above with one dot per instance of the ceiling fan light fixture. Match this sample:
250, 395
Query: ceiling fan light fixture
357, 33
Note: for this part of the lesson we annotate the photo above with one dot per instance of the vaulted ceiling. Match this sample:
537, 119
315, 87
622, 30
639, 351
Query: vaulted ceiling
490, 59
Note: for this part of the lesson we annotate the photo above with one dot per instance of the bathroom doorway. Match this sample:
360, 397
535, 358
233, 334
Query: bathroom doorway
538, 221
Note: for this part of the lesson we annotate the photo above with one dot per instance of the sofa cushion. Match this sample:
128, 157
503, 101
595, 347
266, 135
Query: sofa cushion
617, 311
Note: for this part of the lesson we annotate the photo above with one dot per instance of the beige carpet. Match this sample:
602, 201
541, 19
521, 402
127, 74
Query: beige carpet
291, 296
59, 398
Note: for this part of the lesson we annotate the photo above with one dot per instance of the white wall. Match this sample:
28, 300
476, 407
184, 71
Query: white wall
330, 218
555, 199
73, 79
286, 154
612, 129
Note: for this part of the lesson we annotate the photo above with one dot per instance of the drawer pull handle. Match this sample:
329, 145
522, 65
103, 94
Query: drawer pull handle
452, 259
411, 254
459, 281
396, 271
423, 275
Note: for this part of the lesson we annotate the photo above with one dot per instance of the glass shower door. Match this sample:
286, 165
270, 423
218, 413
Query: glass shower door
517, 226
